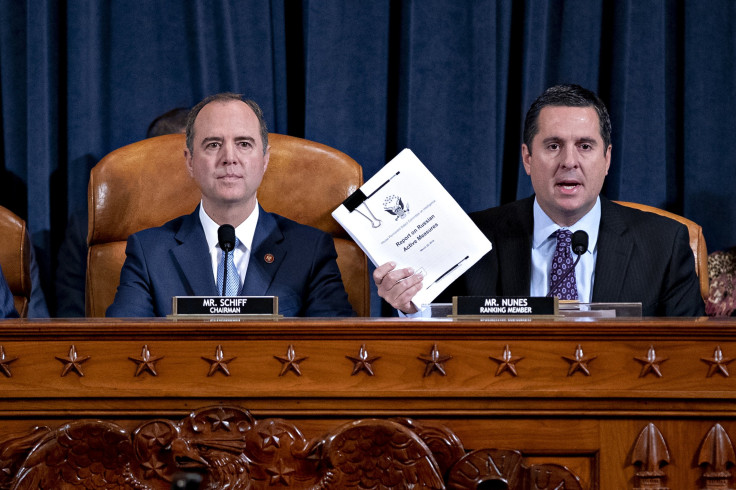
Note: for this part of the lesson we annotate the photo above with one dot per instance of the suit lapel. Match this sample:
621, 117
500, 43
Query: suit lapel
267, 255
614, 254
514, 258
193, 259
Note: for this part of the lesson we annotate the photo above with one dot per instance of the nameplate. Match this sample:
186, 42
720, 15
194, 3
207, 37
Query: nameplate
216, 306
504, 306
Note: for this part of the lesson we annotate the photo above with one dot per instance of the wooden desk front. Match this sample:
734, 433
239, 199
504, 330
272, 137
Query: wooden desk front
621, 403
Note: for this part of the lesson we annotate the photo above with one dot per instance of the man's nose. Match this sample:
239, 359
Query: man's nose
228, 153
569, 157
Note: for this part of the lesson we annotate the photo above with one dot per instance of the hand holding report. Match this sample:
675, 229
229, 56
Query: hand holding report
404, 215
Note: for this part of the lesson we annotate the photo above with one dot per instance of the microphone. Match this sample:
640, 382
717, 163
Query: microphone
226, 238
579, 242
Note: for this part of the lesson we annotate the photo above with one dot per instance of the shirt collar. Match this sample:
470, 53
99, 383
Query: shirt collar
244, 231
544, 226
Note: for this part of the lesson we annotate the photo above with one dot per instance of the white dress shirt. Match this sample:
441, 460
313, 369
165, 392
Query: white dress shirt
543, 249
244, 233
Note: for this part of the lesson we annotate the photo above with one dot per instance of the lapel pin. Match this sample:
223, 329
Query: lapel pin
268, 258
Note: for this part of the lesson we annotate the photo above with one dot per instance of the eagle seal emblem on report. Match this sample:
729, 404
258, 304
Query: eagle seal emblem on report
395, 206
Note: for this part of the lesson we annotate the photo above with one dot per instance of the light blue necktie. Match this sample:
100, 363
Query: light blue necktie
233, 279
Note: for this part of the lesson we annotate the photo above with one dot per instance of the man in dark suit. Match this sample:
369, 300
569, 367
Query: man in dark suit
7, 306
632, 256
227, 154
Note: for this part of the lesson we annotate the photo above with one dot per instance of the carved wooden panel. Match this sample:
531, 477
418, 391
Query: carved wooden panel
650, 455
229, 449
716, 457
578, 394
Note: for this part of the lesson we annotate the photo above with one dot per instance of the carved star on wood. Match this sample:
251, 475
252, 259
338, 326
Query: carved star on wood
434, 361
156, 435
146, 362
72, 362
651, 363
506, 362
579, 362
5, 362
717, 363
290, 362
271, 435
219, 363
154, 467
280, 474
221, 420
363, 362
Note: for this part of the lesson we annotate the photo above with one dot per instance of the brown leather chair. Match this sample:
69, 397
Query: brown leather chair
146, 184
697, 241
15, 258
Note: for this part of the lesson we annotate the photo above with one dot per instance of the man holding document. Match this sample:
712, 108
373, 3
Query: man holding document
630, 255
227, 154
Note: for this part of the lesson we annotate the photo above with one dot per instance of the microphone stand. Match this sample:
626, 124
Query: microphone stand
224, 272
564, 276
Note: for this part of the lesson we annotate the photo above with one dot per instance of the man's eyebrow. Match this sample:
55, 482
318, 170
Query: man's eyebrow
209, 139
584, 139
590, 141
551, 139
245, 138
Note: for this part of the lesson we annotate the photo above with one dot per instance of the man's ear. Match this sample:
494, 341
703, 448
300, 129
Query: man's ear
608, 158
526, 157
188, 158
266, 157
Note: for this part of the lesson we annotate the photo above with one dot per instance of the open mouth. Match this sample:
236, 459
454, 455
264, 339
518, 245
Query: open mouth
568, 186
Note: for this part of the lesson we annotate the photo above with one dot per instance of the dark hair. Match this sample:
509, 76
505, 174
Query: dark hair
173, 121
567, 96
225, 97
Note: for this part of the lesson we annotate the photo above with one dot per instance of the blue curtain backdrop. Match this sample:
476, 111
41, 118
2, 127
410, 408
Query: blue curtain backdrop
449, 79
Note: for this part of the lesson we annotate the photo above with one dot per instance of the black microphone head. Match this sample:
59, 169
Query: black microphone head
226, 237
579, 242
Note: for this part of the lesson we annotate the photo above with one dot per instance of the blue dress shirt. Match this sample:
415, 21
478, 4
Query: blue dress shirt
543, 249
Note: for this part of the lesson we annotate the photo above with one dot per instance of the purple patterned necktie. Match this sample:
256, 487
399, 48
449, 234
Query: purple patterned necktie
561, 262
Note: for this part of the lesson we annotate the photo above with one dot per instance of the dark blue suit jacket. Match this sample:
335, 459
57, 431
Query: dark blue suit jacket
642, 257
173, 260
7, 306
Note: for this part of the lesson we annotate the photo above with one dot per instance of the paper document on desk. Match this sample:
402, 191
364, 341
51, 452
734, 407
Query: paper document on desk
403, 214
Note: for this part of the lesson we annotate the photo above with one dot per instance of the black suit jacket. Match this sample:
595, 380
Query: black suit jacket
642, 257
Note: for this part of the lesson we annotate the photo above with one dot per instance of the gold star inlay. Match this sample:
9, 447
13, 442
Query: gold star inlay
506, 362
146, 362
5, 362
290, 362
363, 362
651, 363
717, 363
434, 361
280, 474
72, 362
219, 363
579, 362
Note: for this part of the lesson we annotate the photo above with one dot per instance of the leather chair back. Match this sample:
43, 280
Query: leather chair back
15, 258
146, 184
697, 241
